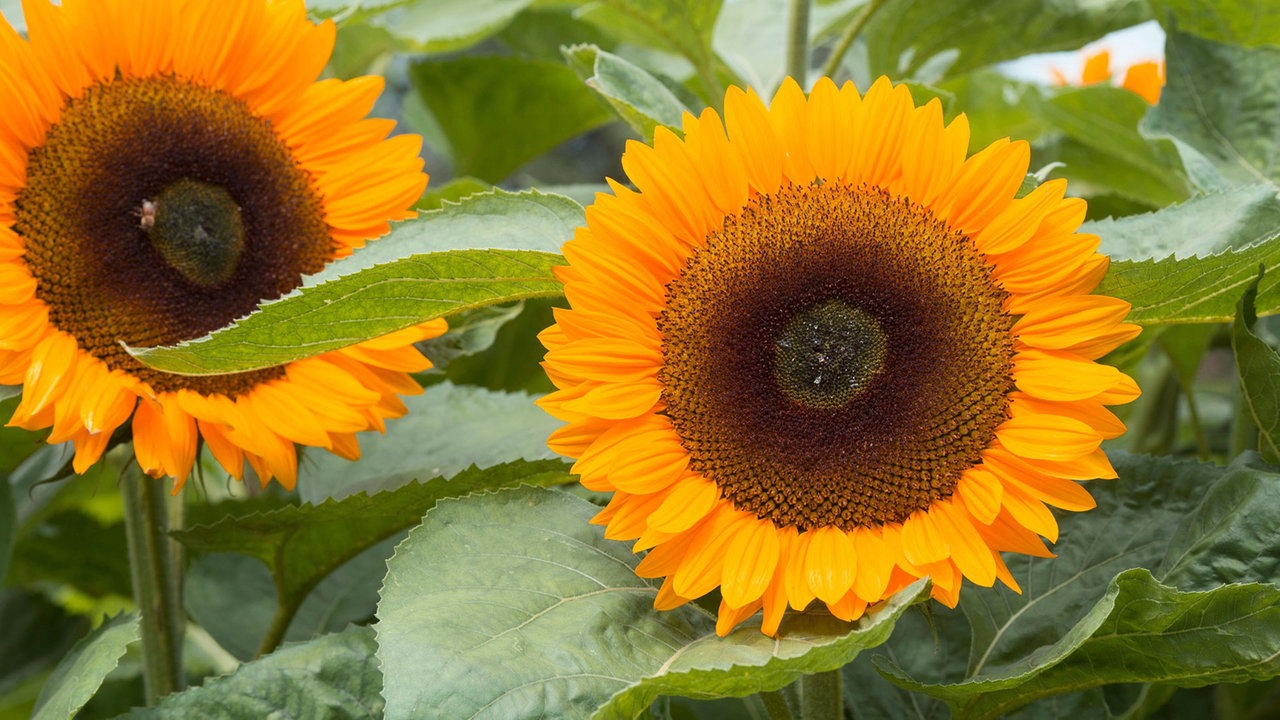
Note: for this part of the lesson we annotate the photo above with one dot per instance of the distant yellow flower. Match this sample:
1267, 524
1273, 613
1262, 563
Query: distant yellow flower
1144, 78
165, 166
818, 354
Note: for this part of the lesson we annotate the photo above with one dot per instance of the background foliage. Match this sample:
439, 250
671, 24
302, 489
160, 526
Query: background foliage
451, 572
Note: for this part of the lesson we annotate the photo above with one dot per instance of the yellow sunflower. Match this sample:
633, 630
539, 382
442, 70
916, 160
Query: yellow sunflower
164, 167
819, 353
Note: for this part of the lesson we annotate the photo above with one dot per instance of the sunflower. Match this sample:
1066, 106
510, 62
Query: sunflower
819, 353
1145, 79
166, 166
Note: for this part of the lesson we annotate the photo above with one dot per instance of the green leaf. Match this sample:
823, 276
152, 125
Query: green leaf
37, 635
640, 99
334, 677
1221, 105
8, 526
234, 599
1231, 219
82, 671
439, 26
1105, 148
1169, 580
454, 191
501, 112
302, 545
512, 362
1238, 22
1258, 367
490, 248
751, 37
469, 333
1193, 290
680, 26
517, 607
906, 36
448, 429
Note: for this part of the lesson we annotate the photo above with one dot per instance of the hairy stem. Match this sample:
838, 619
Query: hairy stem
155, 564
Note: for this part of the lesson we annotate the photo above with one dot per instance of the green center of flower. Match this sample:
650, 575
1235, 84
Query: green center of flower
197, 229
158, 210
825, 355
835, 356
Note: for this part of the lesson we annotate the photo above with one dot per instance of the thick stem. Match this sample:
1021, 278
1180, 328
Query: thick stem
850, 34
775, 703
155, 566
279, 626
820, 696
798, 41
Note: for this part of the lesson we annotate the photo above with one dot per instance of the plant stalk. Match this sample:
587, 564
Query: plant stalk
798, 41
850, 34
820, 696
775, 703
155, 563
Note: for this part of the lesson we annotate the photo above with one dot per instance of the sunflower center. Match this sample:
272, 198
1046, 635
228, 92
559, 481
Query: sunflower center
835, 356
197, 229
158, 210
826, 354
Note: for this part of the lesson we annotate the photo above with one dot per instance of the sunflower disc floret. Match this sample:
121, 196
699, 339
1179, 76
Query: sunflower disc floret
820, 352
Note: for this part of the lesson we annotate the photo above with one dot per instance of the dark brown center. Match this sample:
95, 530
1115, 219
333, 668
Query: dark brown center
835, 356
158, 211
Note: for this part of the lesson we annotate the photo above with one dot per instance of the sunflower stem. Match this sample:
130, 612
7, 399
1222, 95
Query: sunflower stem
850, 34
775, 703
798, 41
155, 563
820, 696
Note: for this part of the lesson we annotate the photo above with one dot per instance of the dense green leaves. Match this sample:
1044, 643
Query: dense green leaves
1258, 366
449, 428
639, 98
1241, 22
682, 27
82, 670
334, 677
1193, 290
1231, 219
447, 25
924, 38
500, 112
1146, 569
488, 249
480, 594
1221, 106
301, 545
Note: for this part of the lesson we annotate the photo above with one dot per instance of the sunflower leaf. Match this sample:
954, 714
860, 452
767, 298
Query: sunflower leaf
1221, 106
78, 676
500, 112
1258, 367
683, 27
1170, 580
334, 677
441, 26
1103, 146
1194, 290
491, 248
302, 545
1239, 22
448, 429
907, 36
639, 98
517, 607
1231, 219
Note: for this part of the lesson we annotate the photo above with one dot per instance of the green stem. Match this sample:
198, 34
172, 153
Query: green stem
279, 625
820, 697
155, 567
775, 703
850, 34
1244, 432
798, 41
